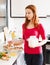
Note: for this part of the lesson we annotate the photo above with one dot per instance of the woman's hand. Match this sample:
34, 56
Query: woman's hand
34, 42
37, 44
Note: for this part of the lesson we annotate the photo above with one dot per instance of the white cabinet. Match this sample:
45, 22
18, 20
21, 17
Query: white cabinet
20, 60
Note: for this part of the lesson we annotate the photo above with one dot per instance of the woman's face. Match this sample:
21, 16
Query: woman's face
29, 14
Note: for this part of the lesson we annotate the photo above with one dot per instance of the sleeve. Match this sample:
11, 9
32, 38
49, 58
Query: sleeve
42, 32
23, 31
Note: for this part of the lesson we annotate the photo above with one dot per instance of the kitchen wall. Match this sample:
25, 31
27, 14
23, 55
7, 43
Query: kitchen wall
15, 24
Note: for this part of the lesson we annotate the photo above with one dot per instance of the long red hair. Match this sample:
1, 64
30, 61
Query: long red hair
35, 18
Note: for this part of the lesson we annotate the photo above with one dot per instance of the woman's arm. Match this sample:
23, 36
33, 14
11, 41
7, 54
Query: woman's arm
42, 33
39, 43
35, 42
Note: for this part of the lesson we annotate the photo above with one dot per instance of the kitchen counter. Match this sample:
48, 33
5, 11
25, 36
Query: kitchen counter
13, 59
10, 61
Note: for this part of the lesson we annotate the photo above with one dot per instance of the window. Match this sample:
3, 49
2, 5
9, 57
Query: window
3, 14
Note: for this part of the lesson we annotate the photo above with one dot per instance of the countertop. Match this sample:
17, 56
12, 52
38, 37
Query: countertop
10, 61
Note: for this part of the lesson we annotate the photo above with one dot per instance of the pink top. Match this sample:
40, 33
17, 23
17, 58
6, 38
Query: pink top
31, 32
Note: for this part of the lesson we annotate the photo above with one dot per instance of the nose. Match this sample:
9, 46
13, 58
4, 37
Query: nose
27, 15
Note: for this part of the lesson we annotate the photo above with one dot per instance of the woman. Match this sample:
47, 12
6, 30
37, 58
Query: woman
32, 27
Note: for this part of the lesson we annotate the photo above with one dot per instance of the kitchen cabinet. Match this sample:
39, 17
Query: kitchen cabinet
44, 54
48, 52
20, 60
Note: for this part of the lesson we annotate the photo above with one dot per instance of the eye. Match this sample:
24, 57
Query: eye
27, 13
